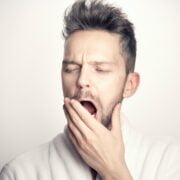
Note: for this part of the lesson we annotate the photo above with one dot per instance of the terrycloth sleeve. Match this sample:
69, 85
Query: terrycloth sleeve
173, 164
5, 174
32, 165
170, 165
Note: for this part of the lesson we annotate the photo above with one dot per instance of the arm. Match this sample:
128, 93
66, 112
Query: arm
101, 148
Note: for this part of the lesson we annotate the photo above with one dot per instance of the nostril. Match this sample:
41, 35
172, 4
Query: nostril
81, 84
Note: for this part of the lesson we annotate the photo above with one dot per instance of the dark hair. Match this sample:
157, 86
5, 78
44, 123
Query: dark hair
94, 14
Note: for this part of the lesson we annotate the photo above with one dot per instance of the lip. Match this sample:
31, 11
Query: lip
90, 100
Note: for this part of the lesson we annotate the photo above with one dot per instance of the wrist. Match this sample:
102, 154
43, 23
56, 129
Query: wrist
115, 177
119, 174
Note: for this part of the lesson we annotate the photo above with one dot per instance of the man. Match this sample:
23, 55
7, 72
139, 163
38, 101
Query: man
97, 74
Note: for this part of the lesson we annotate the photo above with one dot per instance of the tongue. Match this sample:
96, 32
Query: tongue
89, 107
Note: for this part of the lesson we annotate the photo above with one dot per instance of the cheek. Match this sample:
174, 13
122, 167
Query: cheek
110, 90
69, 86
111, 85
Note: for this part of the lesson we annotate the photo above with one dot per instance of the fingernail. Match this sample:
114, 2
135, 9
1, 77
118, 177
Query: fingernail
66, 99
73, 100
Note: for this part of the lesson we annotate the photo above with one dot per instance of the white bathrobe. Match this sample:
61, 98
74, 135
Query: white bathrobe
58, 160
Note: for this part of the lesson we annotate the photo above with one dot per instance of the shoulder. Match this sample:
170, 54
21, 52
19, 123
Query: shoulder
170, 164
152, 157
29, 164
160, 157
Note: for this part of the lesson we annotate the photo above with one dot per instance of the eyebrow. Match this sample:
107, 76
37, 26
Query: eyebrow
96, 63
66, 62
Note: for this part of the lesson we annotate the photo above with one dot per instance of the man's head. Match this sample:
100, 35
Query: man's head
99, 57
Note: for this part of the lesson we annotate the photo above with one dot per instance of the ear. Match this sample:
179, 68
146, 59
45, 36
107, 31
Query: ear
131, 85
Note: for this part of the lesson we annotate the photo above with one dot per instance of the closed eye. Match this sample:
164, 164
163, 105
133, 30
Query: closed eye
68, 70
71, 68
102, 70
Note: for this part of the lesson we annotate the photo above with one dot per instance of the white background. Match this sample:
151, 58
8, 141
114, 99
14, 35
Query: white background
31, 48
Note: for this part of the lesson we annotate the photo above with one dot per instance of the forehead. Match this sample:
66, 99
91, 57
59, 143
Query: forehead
93, 45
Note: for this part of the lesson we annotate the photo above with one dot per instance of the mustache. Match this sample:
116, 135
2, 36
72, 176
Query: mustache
83, 94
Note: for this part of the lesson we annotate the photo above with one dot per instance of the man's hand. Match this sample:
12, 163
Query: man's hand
101, 148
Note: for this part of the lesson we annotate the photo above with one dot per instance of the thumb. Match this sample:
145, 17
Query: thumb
116, 124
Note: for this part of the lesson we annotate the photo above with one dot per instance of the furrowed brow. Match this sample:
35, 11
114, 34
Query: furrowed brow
94, 63
97, 63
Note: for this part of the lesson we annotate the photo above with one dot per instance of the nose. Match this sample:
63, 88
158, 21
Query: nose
83, 79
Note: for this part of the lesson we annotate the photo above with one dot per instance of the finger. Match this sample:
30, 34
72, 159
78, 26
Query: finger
87, 118
66, 113
77, 144
72, 126
73, 116
77, 136
72, 138
115, 121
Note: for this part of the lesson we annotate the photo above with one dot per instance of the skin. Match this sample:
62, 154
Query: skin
94, 69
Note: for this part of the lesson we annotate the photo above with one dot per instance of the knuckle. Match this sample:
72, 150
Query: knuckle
71, 126
81, 144
89, 140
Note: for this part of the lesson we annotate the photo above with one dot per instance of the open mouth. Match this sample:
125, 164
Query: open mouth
89, 106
